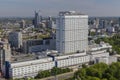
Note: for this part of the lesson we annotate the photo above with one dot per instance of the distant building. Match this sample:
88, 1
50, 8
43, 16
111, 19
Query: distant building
71, 32
110, 29
51, 23
37, 20
22, 24
15, 39
103, 24
96, 22
119, 21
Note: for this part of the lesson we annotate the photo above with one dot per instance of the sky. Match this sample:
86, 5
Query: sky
25, 8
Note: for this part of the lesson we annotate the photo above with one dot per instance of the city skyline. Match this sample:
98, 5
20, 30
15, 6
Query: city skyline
26, 8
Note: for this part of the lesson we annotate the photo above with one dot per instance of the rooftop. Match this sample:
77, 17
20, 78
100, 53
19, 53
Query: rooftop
70, 13
100, 46
28, 57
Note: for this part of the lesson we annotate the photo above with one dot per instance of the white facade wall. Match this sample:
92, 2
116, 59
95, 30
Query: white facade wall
73, 61
30, 68
99, 54
72, 33
112, 59
107, 60
102, 59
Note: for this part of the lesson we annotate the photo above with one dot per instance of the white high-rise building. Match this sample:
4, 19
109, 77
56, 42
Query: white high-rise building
71, 32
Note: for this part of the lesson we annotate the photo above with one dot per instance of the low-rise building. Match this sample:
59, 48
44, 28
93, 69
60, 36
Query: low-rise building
107, 60
29, 68
31, 46
98, 53
72, 61
102, 45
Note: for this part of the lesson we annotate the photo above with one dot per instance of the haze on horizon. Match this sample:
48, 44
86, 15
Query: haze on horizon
52, 7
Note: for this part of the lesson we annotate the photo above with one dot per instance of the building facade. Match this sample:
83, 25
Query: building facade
15, 39
37, 20
32, 67
71, 32
75, 60
5, 54
29, 68
31, 46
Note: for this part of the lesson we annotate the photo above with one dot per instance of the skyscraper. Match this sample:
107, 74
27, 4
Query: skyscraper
37, 19
71, 32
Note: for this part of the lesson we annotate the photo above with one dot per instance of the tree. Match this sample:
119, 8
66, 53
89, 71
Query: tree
92, 78
112, 78
80, 73
99, 71
92, 33
84, 66
43, 74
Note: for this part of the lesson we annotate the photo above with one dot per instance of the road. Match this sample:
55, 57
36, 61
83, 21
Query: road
60, 77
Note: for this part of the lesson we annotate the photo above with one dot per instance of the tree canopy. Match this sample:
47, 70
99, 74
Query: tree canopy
100, 71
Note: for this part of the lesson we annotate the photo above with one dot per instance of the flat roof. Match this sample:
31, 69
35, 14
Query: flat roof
70, 13
27, 57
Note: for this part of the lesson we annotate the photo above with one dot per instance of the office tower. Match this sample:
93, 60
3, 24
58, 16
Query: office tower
103, 24
51, 23
71, 32
96, 22
15, 39
37, 19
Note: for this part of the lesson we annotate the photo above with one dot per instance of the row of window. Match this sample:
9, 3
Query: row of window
32, 68
73, 61
46, 66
